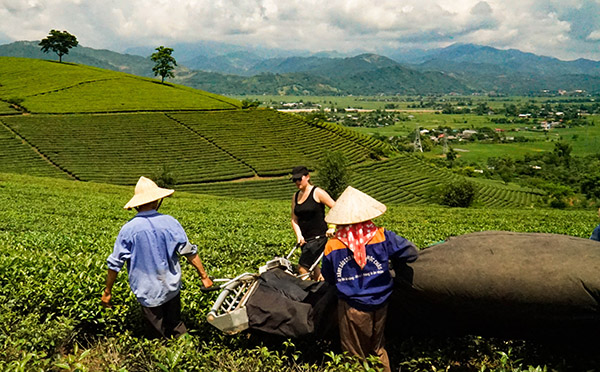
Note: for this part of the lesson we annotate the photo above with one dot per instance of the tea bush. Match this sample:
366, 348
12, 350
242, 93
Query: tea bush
55, 236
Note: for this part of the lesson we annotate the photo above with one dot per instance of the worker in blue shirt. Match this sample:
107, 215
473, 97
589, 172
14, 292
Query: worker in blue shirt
150, 245
356, 262
596, 232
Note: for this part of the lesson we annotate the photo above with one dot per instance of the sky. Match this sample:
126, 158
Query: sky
565, 29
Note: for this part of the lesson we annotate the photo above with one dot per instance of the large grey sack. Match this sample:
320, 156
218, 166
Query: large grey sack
501, 284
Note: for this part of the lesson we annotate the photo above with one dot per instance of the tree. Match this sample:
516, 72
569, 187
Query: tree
165, 62
451, 155
334, 175
458, 193
59, 42
562, 150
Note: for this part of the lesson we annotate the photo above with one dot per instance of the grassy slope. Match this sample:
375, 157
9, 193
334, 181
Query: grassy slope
55, 236
213, 142
197, 147
51, 87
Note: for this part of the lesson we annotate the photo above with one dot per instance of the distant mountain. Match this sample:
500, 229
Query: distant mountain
239, 62
265, 83
87, 56
364, 74
469, 57
289, 65
233, 69
511, 71
402, 80
211, 49
326, 67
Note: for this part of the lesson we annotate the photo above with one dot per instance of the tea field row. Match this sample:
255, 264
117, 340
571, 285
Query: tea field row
50, 87
55, 236
406, 179
196, 147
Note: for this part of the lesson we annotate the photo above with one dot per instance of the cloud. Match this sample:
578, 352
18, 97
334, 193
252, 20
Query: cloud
561, 28
594, 35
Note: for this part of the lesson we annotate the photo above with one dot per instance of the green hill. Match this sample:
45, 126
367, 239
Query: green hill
50, 87
102, 58
84, 123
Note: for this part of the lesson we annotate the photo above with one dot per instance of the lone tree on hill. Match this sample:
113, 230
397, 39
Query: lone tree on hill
165, 63
59, 42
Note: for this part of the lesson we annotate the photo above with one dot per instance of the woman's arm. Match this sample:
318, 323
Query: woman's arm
295, 226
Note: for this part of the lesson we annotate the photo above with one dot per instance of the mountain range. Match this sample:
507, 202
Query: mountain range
237, 70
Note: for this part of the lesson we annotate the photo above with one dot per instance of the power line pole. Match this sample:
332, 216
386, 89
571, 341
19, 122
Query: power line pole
445, 142
417, 144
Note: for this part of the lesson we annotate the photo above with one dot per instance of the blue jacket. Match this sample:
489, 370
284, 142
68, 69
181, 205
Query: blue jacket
367, 289
149, 244
596, 234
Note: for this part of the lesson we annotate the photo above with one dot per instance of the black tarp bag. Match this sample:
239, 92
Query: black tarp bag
501, 284
285, 305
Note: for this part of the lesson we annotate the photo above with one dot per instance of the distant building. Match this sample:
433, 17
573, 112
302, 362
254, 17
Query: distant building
468, 133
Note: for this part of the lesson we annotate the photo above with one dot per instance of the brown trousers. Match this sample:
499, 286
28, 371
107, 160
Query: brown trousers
362, 332
164, 321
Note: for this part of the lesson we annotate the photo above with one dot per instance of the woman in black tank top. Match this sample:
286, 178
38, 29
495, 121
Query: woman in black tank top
308, 219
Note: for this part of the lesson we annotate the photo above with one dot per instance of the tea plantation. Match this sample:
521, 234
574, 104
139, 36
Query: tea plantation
74, 140
55, 236
84, 123
49, 87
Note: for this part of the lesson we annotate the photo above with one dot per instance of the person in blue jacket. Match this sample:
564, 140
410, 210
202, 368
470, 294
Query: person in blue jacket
356, 262
150, 245
596, 232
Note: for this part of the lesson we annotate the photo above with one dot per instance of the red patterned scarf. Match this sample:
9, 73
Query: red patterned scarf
355, 237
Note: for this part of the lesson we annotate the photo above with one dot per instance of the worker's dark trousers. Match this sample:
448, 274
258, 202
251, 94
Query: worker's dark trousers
164, 321
361, 332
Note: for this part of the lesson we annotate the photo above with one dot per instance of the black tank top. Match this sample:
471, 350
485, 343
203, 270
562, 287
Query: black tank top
311, 216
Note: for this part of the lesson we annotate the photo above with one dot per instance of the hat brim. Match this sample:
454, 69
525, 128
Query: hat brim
149, 197
299, 175
354, 206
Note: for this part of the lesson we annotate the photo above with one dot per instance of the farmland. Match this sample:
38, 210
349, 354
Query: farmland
74, 140
56, 234
88, 124
430, 116
49, 87
204, 146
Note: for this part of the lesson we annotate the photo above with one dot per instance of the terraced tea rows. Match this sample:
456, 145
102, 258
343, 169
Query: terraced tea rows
408, 180
18, 157
196, 147
6, 108
49, 87
119, 148
277, 189
270, 142
405, 180
95, 133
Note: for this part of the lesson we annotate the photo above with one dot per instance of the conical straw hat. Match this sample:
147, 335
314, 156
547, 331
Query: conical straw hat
354, 206
147, 191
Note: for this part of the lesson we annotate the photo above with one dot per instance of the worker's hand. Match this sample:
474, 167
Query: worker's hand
207, 282
301, 241
330, 232
106, 299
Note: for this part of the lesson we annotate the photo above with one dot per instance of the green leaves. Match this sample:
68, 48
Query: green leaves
55, 237
59, 42
165, 63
